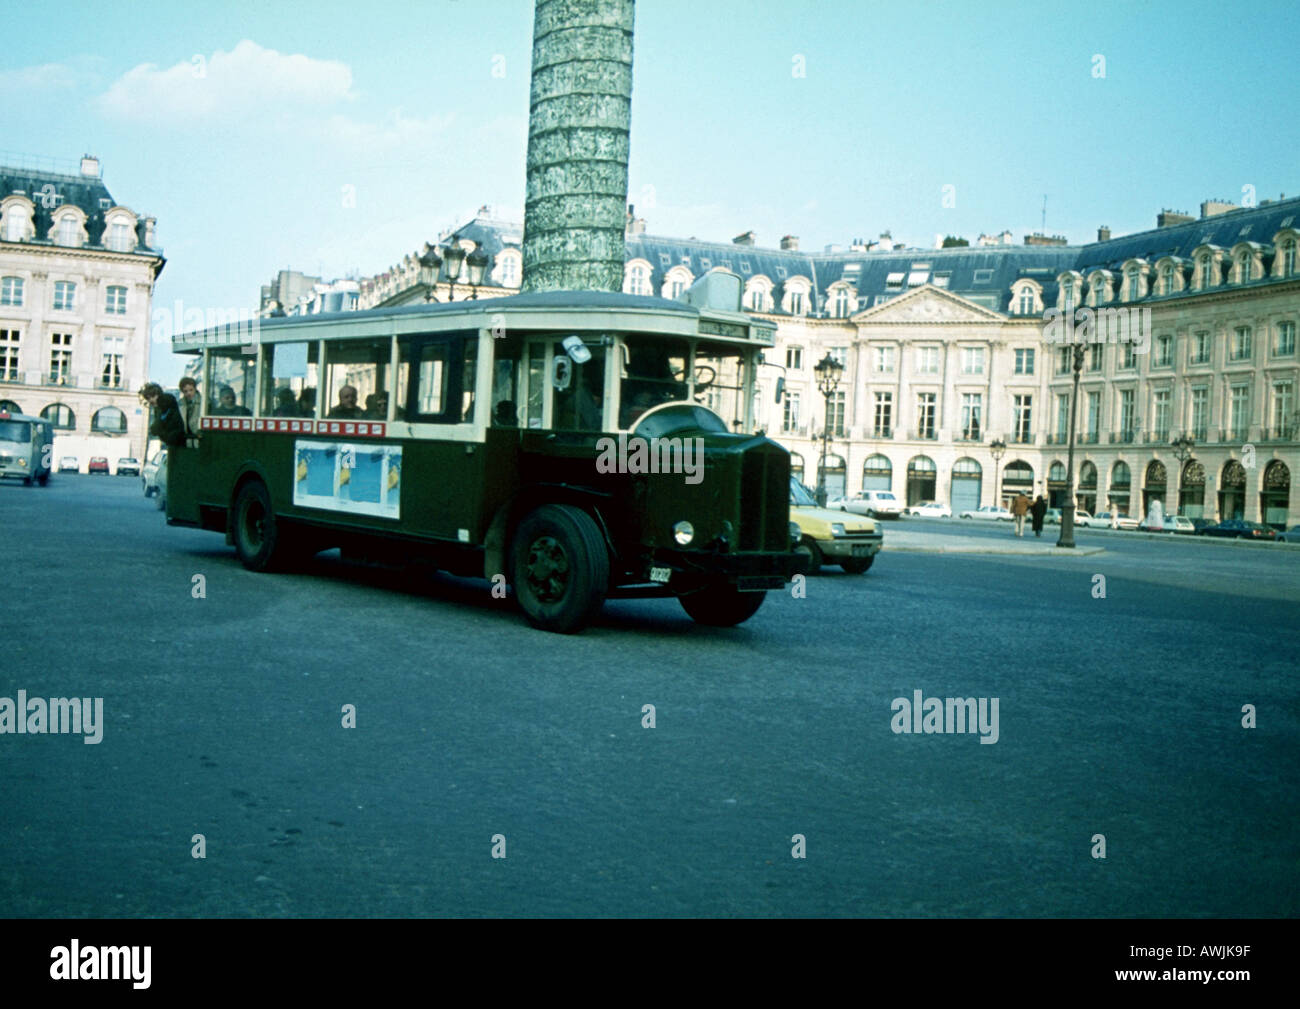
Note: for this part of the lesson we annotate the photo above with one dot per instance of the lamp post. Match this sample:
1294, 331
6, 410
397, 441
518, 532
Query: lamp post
828, 372
997, 448
1182, 447
477, 262
1067, 507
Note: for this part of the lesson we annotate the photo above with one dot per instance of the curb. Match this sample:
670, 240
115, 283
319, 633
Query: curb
996, 551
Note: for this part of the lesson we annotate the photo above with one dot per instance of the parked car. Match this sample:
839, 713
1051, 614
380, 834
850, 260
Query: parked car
128, 467
992, 512
1241, 529
1291, 535
1179, 524
149, 475
852, 541
931, 509
1202, 524
98, 464
69, 464
1121, 522
1052, 517
876, 503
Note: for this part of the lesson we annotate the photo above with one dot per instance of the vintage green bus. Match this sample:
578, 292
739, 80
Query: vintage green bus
575, 446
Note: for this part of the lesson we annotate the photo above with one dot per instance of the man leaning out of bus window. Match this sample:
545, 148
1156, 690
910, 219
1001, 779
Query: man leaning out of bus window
168, 428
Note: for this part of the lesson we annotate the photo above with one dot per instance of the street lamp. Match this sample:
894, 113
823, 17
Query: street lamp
430, 261
998, 448
453, 257
1182, 447
1067, 507
477, 262
828, 372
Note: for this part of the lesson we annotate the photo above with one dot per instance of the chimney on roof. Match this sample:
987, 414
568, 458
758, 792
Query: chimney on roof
1172, 218
1213, 208
790, 243
1040, 239
90, 166
858, 246
746, 239
1103, 234
633, 225
149, 223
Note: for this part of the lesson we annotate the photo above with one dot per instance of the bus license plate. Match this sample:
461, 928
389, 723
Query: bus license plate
661, 575
861, 550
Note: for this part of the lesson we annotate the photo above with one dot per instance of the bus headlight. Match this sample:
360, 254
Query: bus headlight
683, 533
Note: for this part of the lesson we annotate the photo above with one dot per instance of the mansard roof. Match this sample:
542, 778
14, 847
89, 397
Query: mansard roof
51, 190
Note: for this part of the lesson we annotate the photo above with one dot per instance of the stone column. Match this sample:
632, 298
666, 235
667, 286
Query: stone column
579, 114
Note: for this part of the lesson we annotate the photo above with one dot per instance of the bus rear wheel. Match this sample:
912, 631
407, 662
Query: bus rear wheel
721, 605
259, 538
559, 568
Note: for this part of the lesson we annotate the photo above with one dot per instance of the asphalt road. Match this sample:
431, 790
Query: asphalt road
1119, 716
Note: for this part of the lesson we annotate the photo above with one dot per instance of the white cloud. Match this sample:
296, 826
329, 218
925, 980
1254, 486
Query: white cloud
395, 131
248, 81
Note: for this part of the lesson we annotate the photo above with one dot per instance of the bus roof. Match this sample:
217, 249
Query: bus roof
544, 310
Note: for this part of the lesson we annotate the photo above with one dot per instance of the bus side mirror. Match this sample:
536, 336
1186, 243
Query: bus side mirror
780, 387
576, 349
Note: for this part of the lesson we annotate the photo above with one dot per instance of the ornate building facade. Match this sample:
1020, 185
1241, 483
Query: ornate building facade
948, 351
77, 272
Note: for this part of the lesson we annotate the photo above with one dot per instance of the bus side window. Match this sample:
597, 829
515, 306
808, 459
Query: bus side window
232, 377
290, 386
443, 372
358, 379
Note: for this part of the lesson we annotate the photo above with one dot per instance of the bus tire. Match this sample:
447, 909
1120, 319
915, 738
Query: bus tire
559, 568
259, 537
721, 605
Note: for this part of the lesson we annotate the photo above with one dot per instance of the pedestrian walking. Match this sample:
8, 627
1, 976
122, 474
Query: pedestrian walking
1019, 508
1036, 511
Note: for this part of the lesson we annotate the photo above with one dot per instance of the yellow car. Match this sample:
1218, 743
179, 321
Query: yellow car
843, 538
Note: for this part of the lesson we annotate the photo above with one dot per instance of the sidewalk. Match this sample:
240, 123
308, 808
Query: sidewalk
910, 541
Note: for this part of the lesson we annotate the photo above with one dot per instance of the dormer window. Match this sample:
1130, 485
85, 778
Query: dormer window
1131, 276
15, 223
1243, 268
121, 237
1167, 279
637, 278
797, 306
840, 303
508, 271
1026, 301
1067, 293
1206, 268
1288, 258
758, 294
68, 232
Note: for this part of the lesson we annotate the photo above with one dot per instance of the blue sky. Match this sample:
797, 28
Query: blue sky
239, 125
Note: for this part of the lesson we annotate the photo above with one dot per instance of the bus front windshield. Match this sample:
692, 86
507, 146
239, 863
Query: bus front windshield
654, 372
19, 431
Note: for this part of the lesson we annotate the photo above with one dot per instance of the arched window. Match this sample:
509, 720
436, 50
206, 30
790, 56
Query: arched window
637, 280
1121, 475
758, 294
1056, 472
109, 420
796, 466
15, 223
68, 231
9, 406
61, 416
1026, 301
1088, 475
1018, 475
120, 237
508, 268
1243, 268
1157, 475
877, 473
842, 303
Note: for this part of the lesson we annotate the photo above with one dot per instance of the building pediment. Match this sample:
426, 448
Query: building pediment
928, 305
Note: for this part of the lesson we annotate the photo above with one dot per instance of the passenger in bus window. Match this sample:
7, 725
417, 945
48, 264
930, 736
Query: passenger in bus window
506, 414
285, 404
347, 408
377, 406
307, 402
226, 405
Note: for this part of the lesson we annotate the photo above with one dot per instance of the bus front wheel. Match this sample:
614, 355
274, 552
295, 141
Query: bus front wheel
560, 568
259, 538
